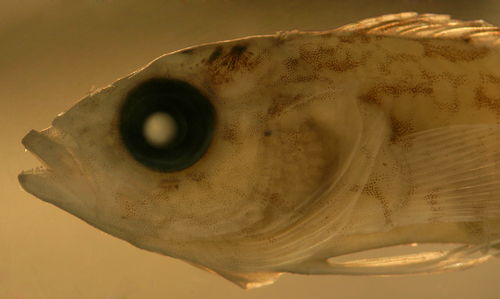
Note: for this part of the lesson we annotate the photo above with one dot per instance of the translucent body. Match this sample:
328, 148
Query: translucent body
380, 133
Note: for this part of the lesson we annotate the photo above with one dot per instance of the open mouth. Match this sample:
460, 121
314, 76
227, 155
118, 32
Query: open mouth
60, 181
47, 147
53, 148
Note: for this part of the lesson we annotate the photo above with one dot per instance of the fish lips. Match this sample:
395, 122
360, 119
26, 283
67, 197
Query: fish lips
61, 182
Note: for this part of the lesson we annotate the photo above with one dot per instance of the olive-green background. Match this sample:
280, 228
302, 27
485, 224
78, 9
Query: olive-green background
53, 52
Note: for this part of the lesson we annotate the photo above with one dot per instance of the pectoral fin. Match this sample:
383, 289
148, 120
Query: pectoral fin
454, 175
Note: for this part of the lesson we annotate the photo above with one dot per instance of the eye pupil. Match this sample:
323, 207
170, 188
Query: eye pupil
166, 125
160, 129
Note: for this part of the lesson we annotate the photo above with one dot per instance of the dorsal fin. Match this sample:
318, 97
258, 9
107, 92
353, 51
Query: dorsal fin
412, 24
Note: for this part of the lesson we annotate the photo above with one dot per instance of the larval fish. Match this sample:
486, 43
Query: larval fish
270, 154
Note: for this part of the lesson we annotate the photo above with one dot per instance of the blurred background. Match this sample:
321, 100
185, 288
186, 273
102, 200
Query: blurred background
53, 52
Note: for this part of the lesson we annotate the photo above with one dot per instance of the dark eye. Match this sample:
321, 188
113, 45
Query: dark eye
167, 125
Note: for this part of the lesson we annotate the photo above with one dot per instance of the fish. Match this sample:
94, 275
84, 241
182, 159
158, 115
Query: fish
274, 154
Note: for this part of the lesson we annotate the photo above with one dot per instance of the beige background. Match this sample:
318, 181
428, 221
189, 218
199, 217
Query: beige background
53, 52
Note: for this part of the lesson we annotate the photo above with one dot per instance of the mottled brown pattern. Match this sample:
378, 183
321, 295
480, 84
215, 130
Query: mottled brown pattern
224, 63
451, 109
372, 189
378, 92
299, 79
401, 128
432, 200
231, 134
277, 201
197, 176
169, 185
458, 51
128, 206
406, 143
215, 55
401, 58
237, 57
383, 69
291, 64
356, 37
300, 168
355, 188
398, 90
371, 97
349, 62
475, 229
279, 105
326, 57
483, 100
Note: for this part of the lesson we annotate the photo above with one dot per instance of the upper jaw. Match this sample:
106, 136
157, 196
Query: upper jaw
61, 182
48, 147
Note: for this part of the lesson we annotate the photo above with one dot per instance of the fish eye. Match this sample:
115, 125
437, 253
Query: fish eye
166, 125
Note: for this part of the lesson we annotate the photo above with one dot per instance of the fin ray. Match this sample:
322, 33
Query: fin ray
454, 172
412, 24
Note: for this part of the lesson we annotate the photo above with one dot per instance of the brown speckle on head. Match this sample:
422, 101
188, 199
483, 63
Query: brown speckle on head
232, 134
215, 55
237, 58
169, 184
225, 62
238, 50
197, 176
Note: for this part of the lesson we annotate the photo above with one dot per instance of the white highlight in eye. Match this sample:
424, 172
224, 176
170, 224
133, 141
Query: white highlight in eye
159, 129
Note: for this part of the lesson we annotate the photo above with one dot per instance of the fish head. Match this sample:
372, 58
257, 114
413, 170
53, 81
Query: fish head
201, 150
